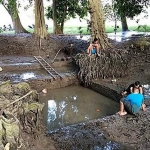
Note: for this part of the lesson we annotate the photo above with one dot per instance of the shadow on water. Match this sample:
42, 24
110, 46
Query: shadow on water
75, 104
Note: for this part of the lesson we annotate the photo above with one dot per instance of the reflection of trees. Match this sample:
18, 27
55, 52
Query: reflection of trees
65, 112
62, 106
52, 109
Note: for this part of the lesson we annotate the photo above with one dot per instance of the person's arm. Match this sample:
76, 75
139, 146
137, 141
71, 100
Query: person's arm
131, 89
124, 93
140, 90
88, 50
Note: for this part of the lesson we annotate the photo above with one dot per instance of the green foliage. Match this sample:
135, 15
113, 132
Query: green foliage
143, 28
130, 8
11, 6
67, 9
1, 30
111, 14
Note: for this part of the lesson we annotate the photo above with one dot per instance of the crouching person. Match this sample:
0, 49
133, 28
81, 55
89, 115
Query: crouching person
132, 104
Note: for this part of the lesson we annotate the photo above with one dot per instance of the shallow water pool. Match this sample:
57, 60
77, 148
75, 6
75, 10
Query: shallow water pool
75, 104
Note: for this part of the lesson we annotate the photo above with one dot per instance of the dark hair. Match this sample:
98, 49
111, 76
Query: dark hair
137, 83
95, 39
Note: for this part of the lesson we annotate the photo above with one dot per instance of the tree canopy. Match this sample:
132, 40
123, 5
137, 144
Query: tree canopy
130, 8
66, 9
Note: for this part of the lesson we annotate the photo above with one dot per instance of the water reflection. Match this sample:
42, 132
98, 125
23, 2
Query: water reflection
72, 105
28, 75
19, 75
146, 88
52, 108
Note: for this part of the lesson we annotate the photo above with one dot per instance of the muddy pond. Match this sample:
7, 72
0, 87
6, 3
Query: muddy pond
74, 104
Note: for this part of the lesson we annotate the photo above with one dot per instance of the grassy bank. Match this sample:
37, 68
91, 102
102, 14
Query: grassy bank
83, 30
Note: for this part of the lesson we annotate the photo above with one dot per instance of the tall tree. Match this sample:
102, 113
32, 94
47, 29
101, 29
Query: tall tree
11, 7
40, 27
63, 10
124, 23
98, 22
56, 28
129, 8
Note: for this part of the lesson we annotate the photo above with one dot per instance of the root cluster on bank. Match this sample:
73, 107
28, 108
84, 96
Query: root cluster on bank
110, 64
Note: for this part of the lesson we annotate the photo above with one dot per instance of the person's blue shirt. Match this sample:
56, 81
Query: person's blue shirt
135, 98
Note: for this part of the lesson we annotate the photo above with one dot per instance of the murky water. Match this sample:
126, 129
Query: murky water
75, 104
25, 75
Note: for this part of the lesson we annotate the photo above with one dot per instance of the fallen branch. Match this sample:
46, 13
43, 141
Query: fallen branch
2, 83
19, 99
2, 110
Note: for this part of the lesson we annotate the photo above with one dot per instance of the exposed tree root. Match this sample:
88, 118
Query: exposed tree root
111, 63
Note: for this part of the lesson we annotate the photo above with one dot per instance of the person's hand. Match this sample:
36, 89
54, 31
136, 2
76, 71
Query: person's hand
124, 93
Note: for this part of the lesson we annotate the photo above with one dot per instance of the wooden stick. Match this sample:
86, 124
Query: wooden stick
2, 83
19, 99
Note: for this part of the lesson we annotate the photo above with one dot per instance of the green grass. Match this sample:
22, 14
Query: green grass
75, 30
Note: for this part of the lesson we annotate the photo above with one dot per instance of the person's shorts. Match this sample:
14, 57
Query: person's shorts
93, 51
129, 107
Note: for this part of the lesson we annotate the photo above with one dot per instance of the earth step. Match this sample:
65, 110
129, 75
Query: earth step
53, 73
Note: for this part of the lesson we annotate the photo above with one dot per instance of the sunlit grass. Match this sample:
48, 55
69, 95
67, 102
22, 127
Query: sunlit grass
83, 30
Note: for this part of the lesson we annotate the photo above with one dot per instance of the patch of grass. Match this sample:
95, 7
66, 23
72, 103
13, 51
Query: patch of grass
76, 30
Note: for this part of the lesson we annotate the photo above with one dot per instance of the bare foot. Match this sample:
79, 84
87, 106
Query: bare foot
144, 107
98, 54
122, 113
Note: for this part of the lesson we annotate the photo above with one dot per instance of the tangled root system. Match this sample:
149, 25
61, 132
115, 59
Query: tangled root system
111, 63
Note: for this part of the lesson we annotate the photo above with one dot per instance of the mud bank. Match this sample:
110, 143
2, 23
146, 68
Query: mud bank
113, 132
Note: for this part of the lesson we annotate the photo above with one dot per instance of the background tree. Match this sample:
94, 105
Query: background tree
63, 10
129, 8
111, 14
12, 9
40, 27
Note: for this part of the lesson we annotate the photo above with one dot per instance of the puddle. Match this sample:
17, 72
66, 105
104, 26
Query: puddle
75, 104
146, 88
119, 36
26, 76
23, 75
18, 76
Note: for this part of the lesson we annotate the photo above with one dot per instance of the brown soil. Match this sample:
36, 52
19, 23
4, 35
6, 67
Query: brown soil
85, 136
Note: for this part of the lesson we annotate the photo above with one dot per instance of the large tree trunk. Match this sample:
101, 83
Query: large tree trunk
124, 23
12, 10
40, 27
17, 24
98, 23
56, 26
